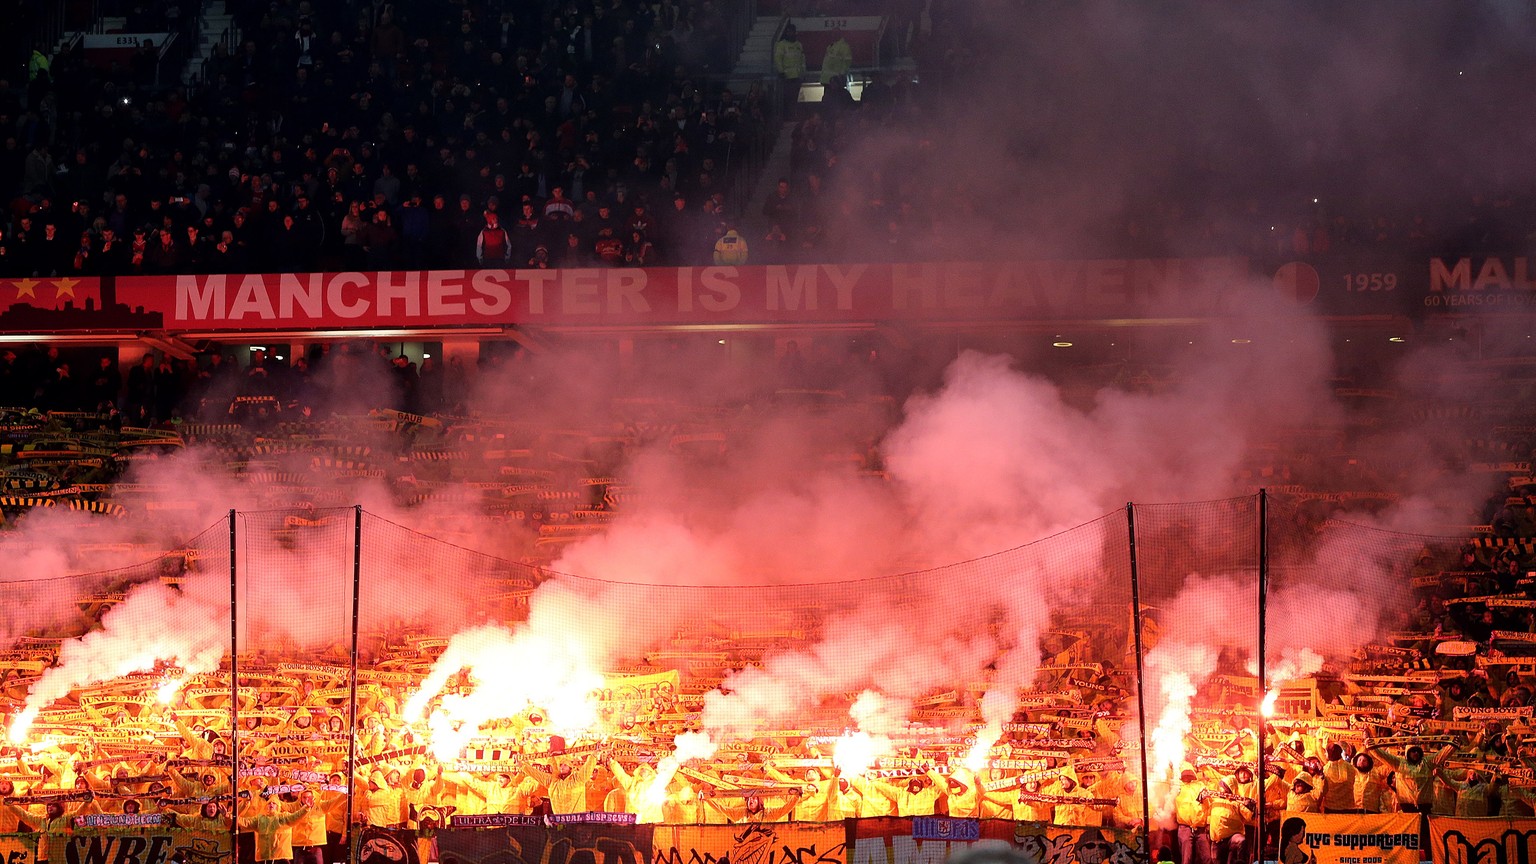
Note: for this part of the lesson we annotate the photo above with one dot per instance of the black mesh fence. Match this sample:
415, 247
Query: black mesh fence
1198, 569
116, 718
294, 673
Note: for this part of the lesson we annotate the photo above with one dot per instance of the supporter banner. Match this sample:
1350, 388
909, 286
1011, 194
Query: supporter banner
17, 849
893, 840
1384, 838
384, 846
1463, 712
952, 291
1042, 843
154, 846
544, 844
1481, 841
753, 843
945, 828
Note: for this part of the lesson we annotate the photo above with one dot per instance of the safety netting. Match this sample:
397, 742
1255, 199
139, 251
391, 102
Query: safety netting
1158, 678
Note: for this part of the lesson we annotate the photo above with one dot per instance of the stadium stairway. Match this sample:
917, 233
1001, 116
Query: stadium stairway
753, 224
754, 63
756, 57
215, 25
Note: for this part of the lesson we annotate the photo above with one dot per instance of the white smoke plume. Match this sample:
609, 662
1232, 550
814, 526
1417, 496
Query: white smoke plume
135, 637
685, 748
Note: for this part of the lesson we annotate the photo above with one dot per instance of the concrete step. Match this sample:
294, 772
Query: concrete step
775, 166
756, 57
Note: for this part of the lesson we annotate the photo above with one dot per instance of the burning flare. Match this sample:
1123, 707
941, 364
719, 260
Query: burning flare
509, 671
981, 751
854, 753
1267, 707
21, 725
1174, 723
166, 692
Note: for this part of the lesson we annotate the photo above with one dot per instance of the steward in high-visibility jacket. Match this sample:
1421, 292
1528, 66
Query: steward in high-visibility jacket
731, 249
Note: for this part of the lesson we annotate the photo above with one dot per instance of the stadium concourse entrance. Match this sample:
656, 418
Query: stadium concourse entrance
300, 639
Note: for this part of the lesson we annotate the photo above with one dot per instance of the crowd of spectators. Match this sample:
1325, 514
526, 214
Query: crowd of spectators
1453, 673
355, 135
161, 389
403, 135
1454, 670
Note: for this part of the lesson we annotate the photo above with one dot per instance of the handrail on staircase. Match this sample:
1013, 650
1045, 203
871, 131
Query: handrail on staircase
50, 28
229, 38
741, 24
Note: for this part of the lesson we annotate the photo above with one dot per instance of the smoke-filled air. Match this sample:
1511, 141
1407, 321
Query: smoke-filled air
874, 580
930, 579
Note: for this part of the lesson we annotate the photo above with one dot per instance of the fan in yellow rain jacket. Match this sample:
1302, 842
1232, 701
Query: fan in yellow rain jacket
274, 839
1014, 802
56, 820
308, 835
632, 788
1082, 812
420, 790
815, 799
962, 795
198, 743
919, 796
1338, 782
1471, 794
1414, 773
382, 804
567, 787
1232, 805
209, 820
1191, 814
501, 793
750, 809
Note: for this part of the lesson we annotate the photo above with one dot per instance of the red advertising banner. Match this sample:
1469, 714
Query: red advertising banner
1385, 287
811, 293
53, 303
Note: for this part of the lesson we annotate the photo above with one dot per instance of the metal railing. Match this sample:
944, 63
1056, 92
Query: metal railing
740, 24
50, 29
228, 38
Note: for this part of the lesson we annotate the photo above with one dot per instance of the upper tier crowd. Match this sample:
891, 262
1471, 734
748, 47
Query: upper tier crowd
350, 135
355, 135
